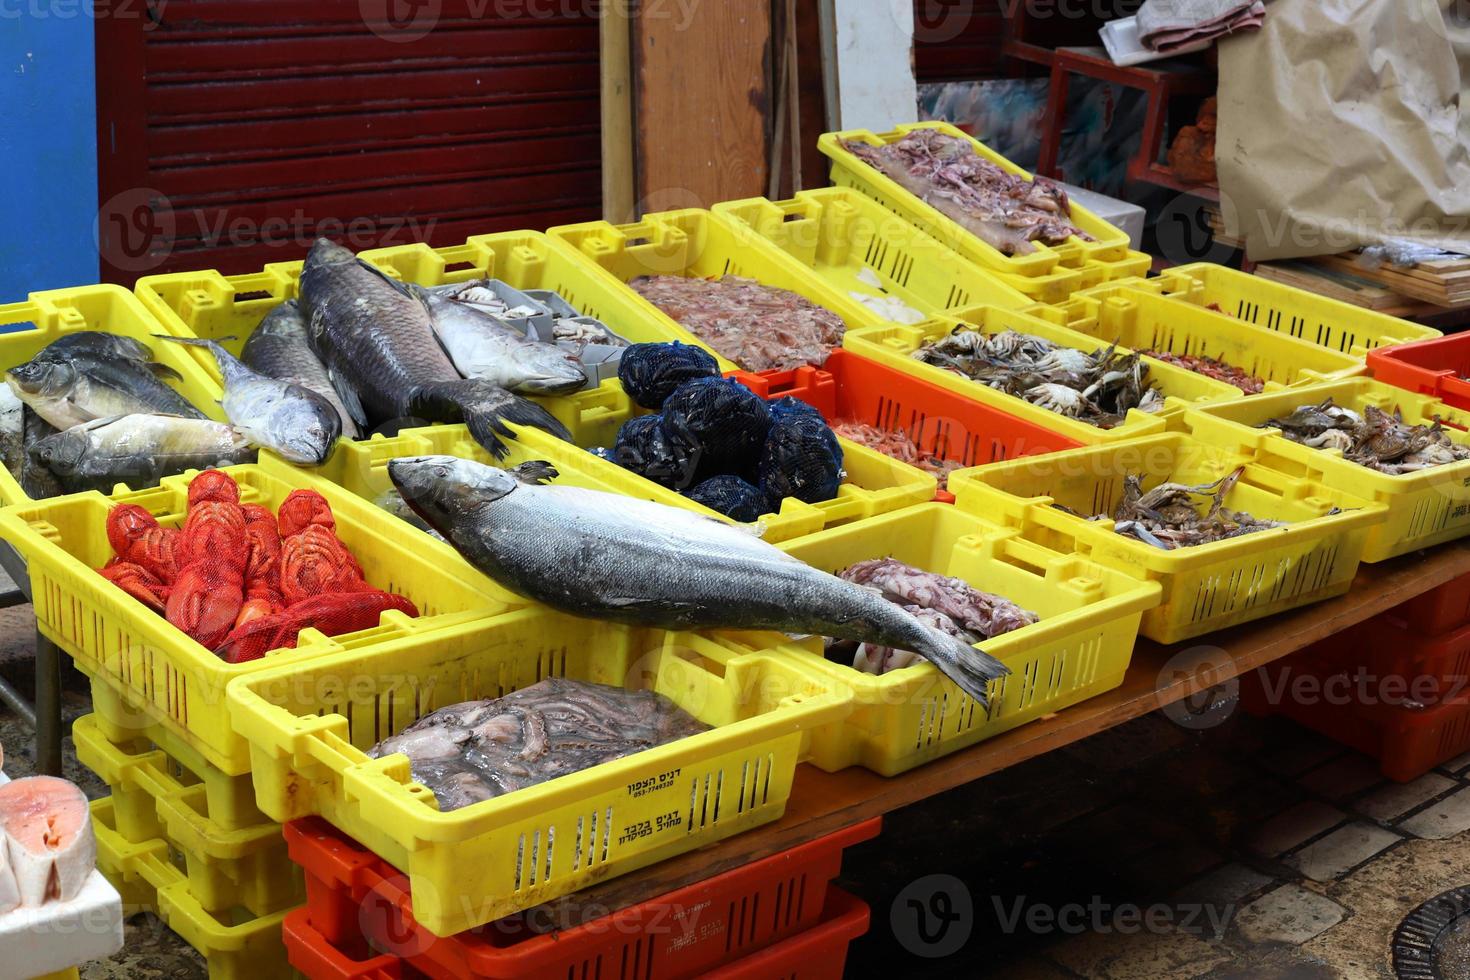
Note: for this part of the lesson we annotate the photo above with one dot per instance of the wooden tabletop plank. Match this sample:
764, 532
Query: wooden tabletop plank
1157, 676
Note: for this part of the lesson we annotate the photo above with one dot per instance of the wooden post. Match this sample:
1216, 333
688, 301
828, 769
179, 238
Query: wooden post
702, 77
618, 178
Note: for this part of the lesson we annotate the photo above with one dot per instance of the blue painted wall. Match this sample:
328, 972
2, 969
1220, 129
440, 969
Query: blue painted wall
48, 148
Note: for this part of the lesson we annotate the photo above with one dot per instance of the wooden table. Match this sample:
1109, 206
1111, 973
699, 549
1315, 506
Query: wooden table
1158, 676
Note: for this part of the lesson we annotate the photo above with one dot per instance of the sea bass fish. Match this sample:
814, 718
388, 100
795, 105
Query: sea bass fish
279, 348
141, 447
376, 337
486, 348
49, 842
77, 380
604, 556
294, 422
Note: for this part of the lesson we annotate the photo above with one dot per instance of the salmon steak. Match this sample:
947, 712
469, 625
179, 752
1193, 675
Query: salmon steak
49, 844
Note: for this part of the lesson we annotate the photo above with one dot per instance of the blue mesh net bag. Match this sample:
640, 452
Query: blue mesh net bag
731, 496
643, 447
718, 423
650, 372
802, 459
788, 406
602, 452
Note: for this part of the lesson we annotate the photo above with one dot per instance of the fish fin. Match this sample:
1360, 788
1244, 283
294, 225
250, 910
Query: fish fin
405, 288
349, 398
968, 666
163, 372
487, 409
534, 471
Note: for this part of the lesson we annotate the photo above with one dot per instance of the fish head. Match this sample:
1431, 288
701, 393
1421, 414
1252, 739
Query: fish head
325, 252
443, 490
62, 452
548, 370
41, 379
307, 433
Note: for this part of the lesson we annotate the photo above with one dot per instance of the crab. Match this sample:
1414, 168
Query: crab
1065, 363
1058, 398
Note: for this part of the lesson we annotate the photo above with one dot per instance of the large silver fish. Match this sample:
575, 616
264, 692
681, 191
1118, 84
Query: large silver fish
141, 447
12, 431
82, 377
376, 337
605, 556
484, 347
279, 348
294, 422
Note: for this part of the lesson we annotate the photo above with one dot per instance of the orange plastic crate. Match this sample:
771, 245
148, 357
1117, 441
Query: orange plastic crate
311, 955
820, 953
1440, 609
853, 388
1408, 739
1435, 367
358, 903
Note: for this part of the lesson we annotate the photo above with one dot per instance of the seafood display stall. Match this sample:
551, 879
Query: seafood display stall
613, 568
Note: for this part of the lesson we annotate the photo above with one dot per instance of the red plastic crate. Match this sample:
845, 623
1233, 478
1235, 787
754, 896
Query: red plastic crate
819, 953
1431, 367
1440, 609
310, 954
1436, 666
357, 902
1407, 740
852, 388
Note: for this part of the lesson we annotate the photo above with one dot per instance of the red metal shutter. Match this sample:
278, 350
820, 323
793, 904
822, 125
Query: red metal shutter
231, 131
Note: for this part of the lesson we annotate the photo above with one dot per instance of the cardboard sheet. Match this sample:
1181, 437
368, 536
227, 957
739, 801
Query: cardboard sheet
1345, 122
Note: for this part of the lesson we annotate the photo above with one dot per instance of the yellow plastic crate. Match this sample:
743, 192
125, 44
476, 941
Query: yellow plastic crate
227, 308
44, 317
1207, 587
226, 869
840, 235
1424, 508
228, 799
701, 244
168, 678
894, 346
1062, 283
309, 726
1316, 319
236, 946
1144, 320
1080, 648
1110, 245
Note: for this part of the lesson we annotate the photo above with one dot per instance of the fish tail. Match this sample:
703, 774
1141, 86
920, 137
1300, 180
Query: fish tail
486, 409
970, 667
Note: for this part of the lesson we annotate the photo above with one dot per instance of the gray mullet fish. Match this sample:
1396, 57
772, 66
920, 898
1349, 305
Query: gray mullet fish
280, 348
377, 338
89, 375
604, 556
294, 422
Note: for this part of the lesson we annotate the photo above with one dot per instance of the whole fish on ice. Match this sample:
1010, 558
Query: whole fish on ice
605, 556
377, 338
294, 422
280, 348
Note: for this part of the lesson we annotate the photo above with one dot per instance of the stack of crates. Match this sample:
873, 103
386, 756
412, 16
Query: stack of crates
179, 838
777, 916
1397, 688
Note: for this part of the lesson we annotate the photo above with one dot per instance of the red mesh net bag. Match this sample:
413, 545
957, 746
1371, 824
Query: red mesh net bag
332, 614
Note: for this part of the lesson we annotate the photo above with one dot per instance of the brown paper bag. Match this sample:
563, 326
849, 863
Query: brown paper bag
1346, 122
